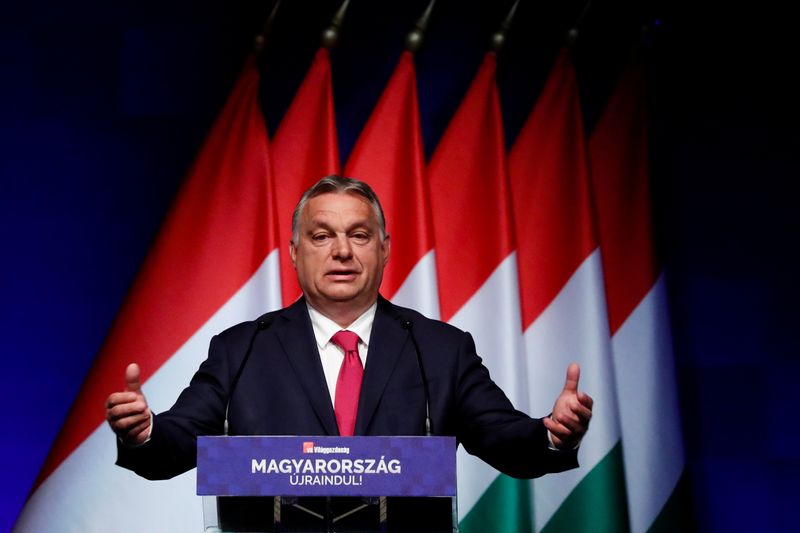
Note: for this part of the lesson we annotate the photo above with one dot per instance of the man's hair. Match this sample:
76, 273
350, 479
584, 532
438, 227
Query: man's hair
340, 185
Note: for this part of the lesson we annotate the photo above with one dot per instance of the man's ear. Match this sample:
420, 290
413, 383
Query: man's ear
293, 254
387, 246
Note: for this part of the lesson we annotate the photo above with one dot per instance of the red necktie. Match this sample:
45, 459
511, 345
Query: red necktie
348, 385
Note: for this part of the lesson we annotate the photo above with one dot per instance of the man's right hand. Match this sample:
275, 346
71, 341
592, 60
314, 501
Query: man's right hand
127, 412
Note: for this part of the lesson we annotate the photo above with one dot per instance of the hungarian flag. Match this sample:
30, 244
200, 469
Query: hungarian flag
563, 304
213, 264
304, 149
477, 276
389, 156
637, 308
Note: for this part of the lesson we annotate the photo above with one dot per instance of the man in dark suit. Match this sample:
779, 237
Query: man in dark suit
299, 381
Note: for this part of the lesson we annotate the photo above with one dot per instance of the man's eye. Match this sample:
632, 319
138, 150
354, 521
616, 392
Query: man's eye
319, 237
360, 236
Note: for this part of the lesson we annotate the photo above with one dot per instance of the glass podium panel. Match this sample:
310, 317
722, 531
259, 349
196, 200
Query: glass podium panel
255, 514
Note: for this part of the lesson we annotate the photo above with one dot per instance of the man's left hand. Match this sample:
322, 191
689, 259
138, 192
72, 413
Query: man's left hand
571, 413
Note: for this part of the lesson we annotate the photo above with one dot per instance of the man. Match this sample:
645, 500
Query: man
299, 381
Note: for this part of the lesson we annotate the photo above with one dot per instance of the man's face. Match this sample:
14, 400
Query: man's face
339, 255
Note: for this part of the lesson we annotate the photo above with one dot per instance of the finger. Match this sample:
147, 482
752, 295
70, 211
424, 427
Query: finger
551, 425
119, 398
128, 432
573, 375
577, 422
125, 423
126, 409
136, 434
571, 422
561, 435
132, 378
585, 400
557, 428
141, 427
570, 412
582, 412
563, 411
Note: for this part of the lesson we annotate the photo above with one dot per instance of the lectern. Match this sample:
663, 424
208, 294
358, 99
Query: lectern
327, 484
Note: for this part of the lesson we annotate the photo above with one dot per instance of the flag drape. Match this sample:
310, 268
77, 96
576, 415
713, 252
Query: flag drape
212, 264
637, 311
477, 276
563, 303
389, 156
304, 149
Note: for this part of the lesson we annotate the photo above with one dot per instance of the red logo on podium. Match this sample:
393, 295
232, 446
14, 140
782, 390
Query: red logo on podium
308, 447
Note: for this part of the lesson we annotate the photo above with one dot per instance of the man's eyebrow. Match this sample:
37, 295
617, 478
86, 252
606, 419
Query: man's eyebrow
317, 223
360, 225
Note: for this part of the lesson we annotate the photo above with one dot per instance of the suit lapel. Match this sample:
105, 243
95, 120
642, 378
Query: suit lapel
297, 340
386, 343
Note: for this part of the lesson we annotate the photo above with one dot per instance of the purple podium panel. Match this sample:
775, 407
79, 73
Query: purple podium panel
326, 466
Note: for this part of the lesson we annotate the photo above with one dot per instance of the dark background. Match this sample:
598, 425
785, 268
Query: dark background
104, 106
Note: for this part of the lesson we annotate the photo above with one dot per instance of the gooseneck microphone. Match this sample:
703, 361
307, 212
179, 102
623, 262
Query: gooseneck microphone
409, 326
263, 324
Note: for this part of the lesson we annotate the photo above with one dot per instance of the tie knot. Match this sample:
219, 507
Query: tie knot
346, 340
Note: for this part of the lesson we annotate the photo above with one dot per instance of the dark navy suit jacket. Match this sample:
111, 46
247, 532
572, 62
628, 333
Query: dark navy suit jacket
282, 391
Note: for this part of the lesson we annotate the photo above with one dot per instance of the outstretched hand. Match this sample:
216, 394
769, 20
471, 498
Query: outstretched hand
127, 412
571, 413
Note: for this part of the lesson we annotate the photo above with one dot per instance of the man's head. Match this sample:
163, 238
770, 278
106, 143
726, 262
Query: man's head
339, 247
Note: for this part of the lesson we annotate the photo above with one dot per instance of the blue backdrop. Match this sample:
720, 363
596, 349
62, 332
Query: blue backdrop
104, 106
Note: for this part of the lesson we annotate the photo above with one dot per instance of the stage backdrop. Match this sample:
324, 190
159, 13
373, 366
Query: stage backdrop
622, 203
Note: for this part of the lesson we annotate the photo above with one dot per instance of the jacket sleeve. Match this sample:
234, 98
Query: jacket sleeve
199, 410
490, 427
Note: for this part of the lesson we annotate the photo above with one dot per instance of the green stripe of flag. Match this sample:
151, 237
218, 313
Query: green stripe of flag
598, 503
505, 506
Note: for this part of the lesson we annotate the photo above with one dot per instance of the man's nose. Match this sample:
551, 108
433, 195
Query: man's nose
342, 249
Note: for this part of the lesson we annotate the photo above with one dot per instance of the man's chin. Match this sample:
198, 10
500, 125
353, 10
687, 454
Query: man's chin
342, 295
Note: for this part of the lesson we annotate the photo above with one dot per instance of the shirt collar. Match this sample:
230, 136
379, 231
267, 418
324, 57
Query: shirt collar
325, 328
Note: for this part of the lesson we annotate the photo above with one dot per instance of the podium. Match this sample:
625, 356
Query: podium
327, 484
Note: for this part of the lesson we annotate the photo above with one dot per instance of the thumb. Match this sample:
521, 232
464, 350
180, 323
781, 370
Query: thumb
132, 378
573, 375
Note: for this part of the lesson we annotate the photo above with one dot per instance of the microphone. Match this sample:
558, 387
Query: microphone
263, 324
409, 326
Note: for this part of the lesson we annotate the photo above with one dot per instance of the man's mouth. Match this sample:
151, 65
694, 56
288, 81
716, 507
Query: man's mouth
342, 275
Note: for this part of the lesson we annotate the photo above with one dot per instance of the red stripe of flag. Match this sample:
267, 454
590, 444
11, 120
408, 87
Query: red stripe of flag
389, 156
552, 202
619, 158
304, 149
212, 241
470, 195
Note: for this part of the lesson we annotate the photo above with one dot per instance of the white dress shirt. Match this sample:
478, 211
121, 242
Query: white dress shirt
330, 354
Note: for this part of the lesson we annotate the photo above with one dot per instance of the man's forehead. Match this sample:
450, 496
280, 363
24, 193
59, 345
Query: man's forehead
335, 205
